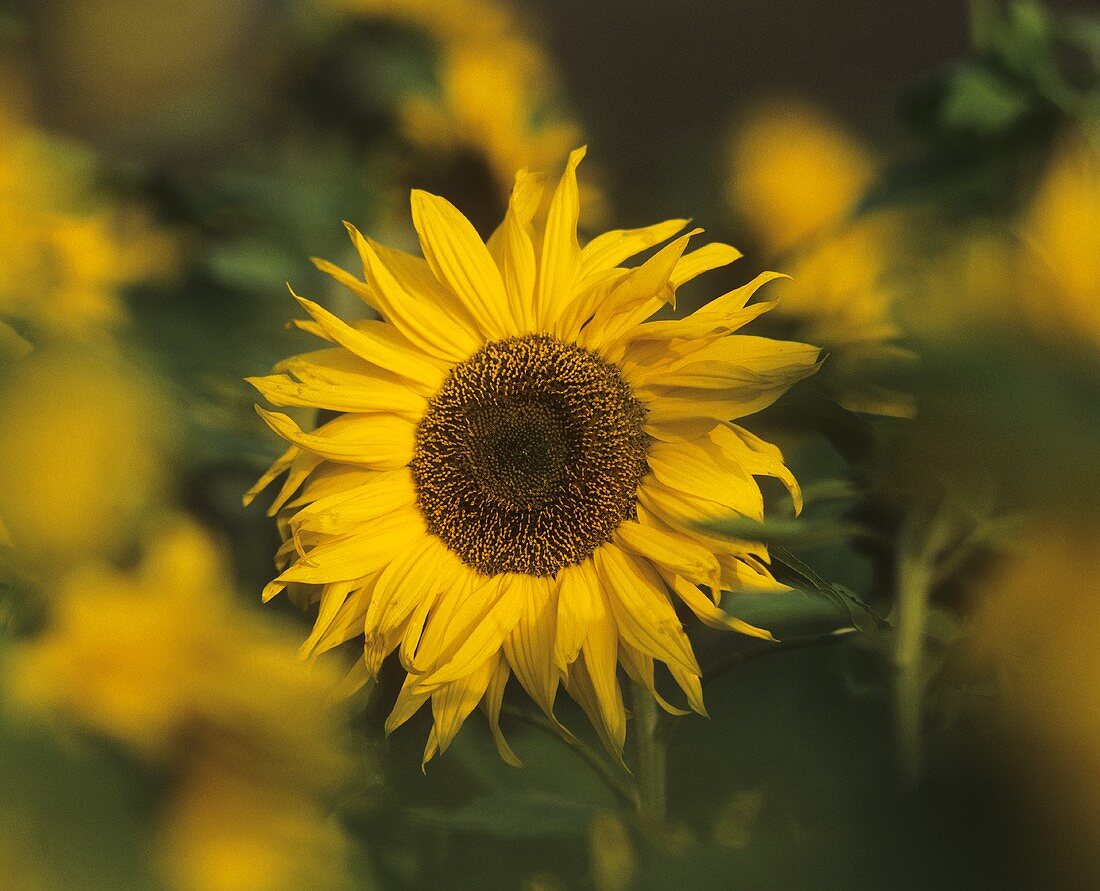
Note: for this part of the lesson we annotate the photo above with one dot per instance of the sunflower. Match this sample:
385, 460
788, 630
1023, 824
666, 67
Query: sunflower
520, 468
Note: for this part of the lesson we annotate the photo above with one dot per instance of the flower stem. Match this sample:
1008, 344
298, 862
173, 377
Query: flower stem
623, 794
649, 756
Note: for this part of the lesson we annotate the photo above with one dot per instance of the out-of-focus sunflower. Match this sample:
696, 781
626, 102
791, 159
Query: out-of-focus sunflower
497, 100
65, 251
164, 661
72, 488
521, 466
1062, 246
1037, 625
795, 178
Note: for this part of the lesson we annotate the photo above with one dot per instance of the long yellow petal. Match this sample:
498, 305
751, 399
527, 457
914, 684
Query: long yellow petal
431, 328
477, 632
559, 263
379, 441
514, 251
710, 256
357, 556
365, 395
708, 613
610, 249
576, 590
378, 344
611, 728
639, 668
494, 698
699, 469
452, 704
642, 610
667, 550
459, 259
529, 647
758, 457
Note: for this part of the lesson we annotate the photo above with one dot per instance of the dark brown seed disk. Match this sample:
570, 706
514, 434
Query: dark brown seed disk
529, 456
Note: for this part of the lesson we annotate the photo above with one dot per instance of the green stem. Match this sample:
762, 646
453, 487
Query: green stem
623, 794
649, 751
914, 583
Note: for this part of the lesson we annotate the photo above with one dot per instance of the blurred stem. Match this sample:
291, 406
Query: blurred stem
649, 752
623, 794
922, 539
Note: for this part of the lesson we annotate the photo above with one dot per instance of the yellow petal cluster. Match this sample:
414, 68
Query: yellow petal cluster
795, 178
163, 660
1061, 247
357, 543
497, 97
65, 251
71, 487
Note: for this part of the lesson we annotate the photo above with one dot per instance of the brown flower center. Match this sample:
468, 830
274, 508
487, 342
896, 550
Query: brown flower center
529, 456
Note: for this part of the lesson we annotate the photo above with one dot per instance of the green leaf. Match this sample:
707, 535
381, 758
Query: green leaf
862, 615
980, 102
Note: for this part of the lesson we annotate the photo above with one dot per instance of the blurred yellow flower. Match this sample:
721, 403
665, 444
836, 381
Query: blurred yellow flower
1061, 234
165, 661
1037, 623
490, 95
795, 173
498, 98
520, 466
224, 831
65, 251
81, 456
795, 177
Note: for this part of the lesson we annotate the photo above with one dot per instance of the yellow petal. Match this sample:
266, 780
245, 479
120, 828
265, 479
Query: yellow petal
365, 395
758, 457
529, 647
610, 249
576, 589
423, 569
432, 328
357, 556
710, 256
642, 610
377, 344
459, 259
708, 613
477, 629
668, 550
610, 727
494, 698
559, 264
380, 441
280, 466
721, 316
698, 469
639, 668
514, 251
342, 512
452, 704
636, 296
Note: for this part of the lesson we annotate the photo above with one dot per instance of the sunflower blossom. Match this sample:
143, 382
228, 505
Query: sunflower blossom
796, 177
521, 466
66, 253
166, 662
497, 99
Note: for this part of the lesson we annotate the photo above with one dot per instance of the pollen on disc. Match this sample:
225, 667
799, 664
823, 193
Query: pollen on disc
529, 456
